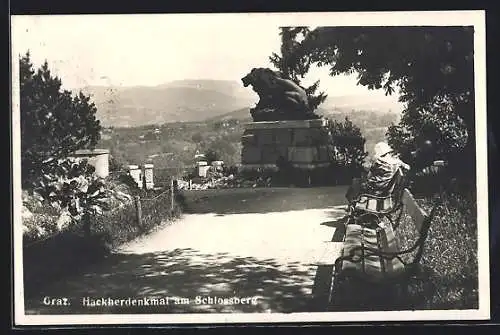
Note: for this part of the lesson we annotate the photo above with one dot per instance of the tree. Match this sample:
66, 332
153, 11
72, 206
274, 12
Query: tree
53, 122
432, 67
348, 144
197, 137
439, 125
115, 165
287, 64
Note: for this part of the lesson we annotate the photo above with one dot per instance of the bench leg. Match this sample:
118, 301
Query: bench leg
322, 287
335, 300
337, 288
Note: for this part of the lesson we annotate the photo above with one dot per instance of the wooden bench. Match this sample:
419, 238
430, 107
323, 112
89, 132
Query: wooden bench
382, 205
371, 255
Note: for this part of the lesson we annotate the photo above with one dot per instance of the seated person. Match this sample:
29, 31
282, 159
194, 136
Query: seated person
384, 166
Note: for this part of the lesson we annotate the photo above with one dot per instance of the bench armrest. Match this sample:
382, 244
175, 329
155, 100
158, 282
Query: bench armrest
372, 196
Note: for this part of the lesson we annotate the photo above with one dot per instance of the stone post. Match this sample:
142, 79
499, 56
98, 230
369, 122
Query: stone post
202, 169
148, 175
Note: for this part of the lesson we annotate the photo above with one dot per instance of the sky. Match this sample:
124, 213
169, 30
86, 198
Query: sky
148, 50
129, 50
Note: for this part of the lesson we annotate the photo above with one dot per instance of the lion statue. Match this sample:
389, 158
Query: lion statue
280, 99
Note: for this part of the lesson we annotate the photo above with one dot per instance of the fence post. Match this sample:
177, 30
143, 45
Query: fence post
172, 195
138, 210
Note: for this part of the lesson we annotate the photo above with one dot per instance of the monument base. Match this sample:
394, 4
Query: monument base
303, 144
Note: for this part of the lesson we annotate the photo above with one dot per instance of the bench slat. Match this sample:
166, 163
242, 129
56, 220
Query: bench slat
374, 204
371, 265
417, 214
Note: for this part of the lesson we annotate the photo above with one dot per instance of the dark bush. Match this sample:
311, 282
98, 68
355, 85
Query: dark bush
61, 255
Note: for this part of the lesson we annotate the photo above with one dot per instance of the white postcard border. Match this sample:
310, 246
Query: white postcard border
443, 18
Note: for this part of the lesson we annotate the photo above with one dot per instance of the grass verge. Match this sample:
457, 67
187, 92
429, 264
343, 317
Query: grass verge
450, 253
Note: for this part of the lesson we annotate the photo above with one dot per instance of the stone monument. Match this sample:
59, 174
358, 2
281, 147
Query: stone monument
284, 129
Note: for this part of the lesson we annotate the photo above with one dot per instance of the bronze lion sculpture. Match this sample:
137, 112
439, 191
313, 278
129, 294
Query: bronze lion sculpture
280, 99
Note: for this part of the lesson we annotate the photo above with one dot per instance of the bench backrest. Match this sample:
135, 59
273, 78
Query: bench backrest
391, 200
396, 185
418, 215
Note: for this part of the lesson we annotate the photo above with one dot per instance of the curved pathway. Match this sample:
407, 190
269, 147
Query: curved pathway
260, 244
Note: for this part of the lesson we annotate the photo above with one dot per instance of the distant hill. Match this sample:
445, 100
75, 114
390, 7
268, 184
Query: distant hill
234, 88
178, 101
198, 100
242, 114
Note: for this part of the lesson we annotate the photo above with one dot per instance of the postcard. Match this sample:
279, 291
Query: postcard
249, 168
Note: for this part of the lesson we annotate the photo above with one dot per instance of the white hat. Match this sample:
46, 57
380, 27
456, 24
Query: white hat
381, 148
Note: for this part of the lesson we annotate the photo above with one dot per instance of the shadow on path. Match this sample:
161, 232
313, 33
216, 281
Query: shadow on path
183, 273
339, 225
262, 200
324, 272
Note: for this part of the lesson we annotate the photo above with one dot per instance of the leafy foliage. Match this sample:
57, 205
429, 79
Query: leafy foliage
211, 155
39, 219
53, 122
115, 165
71, 195
74, 186
434, 122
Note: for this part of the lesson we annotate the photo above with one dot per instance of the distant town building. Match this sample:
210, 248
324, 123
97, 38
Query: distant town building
99, 158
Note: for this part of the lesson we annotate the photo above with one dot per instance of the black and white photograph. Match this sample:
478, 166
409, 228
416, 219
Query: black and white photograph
249, 167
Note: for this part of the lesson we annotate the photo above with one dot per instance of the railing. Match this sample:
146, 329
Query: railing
137, 216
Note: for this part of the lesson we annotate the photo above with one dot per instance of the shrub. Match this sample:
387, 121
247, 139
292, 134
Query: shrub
68, 251
115, 165
71, 194
121, 224
261, 177
116, 226
40, 223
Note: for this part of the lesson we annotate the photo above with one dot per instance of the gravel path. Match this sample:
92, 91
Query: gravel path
264, 244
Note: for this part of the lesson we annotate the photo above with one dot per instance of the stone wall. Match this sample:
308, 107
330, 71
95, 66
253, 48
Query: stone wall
99, 158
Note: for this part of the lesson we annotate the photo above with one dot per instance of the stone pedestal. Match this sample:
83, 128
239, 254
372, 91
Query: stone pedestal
302, 143
99, 158
148, 175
